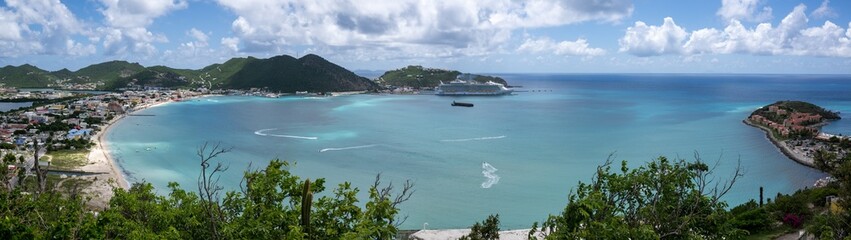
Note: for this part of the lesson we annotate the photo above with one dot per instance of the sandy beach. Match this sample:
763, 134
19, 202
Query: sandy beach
100, 161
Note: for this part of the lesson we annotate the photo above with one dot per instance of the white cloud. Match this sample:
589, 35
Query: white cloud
827, 40
198, 35
791, 37
127, 21
553, 13
744, 10
194, 51
579, 47
762, 40
415, 28
231, 43
9, 24
137, 13
121, 41
824, 11
707, 40
648, 40
197, 47
39, 27
79, 49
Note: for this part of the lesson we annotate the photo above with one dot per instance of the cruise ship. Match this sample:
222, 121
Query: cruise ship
460, 87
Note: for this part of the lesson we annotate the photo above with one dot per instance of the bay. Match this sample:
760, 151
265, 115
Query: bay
8, 106
541, 141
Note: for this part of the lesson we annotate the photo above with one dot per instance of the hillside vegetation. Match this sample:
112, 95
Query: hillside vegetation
25, 76
106, 71
662, 199
279, 74
420, 77
288, 74
795, 106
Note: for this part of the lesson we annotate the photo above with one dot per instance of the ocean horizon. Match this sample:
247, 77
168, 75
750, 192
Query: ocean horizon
518, 156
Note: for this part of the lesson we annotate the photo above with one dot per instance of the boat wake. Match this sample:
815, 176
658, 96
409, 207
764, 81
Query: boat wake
489, 172
262, 133
473, 139
348, 148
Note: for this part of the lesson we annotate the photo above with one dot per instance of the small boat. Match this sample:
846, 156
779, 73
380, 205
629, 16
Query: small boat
461, 104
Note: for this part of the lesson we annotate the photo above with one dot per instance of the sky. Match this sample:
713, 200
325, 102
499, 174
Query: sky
481, 36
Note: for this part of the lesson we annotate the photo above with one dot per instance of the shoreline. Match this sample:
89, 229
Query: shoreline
790, 153
103, 146
100, 160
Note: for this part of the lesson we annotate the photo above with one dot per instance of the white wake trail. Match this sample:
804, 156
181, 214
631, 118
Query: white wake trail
261, 133
347, 148
473, 139
490, 173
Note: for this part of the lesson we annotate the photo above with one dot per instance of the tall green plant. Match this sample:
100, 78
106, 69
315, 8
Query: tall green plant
306, 202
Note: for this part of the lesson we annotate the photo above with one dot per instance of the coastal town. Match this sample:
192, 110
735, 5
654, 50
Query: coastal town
61, 132
66, 127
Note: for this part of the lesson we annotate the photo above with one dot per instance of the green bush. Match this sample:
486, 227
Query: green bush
268, 208
753, 220
486, 230
791, 204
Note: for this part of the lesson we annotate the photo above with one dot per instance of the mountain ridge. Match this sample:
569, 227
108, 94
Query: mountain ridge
281, 73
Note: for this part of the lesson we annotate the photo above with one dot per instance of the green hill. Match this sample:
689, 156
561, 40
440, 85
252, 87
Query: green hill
281, 74
63, 74
152, 77
25, 76
216, 75
287, 74
107, 72
420, 77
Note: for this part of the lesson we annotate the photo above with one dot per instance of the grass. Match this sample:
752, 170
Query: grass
71, 184
57, 183
68, 159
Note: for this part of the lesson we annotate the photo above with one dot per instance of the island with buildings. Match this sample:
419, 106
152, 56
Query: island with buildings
416, 79
794, 127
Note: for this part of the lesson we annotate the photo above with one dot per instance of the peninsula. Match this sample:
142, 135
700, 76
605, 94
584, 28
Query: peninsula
794, 127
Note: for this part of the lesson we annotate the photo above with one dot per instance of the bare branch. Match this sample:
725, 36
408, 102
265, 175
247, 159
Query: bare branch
243, 182
208, 184
384, 193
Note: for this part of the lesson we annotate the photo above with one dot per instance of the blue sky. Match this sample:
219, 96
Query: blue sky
566, 36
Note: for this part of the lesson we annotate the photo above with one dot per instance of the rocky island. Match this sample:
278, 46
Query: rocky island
794, 127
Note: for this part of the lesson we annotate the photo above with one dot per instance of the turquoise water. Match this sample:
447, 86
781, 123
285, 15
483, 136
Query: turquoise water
540, 142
